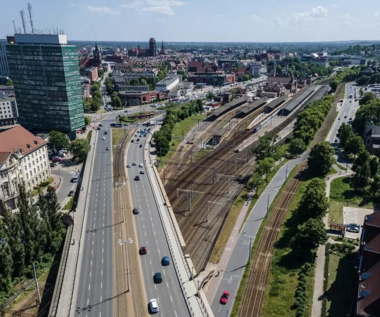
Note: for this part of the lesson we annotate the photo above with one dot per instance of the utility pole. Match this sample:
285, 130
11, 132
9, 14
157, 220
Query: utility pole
267, 206
249, 251
229, 180
189, 193
37, 287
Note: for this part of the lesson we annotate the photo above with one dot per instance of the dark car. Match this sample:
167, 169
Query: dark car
157, 278
135, 211
143, 250
98, 128
137, 178
140, 145
105, 132
107, 148
100, 125
132, 140
165, 261
138, 140
71, 193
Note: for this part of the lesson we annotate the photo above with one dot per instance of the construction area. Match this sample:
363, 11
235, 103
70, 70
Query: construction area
202, 185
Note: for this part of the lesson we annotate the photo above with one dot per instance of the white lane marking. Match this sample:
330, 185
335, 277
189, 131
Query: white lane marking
164, 272
101, 285
102, 272
145, 233
91, 262
102, 250
90, 273
150, 262
102, 261
152, 225
175, 314
144, 226
154, 232
89, 286
92, 242
155, 286
156, 241
171, 298
103, 241
88, 301
92, 251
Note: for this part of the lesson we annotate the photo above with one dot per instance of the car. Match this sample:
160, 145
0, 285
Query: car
57, 159
52, 164
103, 138
142, 172
336, 140
339, 118
107, 148
132, 141
137, 178
71, 193
137, 140
350, 119
125, 125
140, 145
353, 227
135, 211
153, 306
98, 128
224, 298
345, 117
100, 125
105, 132
165, 261
140, 165
144, 135
134, 164
63, 151
129, 166
157, 278
143, 250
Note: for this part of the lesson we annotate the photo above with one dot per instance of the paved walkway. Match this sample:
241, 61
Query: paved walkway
320, 261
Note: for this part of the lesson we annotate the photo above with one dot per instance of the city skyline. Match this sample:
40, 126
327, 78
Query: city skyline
196, 21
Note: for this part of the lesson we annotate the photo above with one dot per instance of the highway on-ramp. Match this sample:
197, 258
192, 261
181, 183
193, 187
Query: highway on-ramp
150, 234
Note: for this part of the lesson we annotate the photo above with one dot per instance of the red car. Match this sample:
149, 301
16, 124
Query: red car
143, 250
224, 298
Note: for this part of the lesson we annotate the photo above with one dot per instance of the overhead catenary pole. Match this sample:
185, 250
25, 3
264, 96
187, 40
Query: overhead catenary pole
36, 281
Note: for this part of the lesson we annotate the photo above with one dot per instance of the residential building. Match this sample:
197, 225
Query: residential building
168, 83
46, 79
255, 69
368, 71
8, 110
131, 98
321, 61
129, 88
289, 82
215, 79
152, 47
23, 160
91, 73
371, 137
367, 295
4, 68
7, 90
272, 90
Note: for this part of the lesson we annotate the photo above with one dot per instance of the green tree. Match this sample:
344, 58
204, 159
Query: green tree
96, 103
344, 133
264, 167
87, 104
321, 158
297, 146
375, 186
117, 102
6, 265
58, 140
367, 112
80, 148
374, 166
362, 159
314, 203
361, 179
354, 145
368, 96
87, 120
100, 72
210, 95
309, 236
9, 82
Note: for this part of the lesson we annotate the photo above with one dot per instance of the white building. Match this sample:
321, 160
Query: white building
168, 83
255, 69
8, 110
23, 159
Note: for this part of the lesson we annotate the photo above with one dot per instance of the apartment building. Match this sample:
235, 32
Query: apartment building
8, 110
23, 160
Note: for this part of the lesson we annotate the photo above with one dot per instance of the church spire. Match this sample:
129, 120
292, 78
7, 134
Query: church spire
162, 48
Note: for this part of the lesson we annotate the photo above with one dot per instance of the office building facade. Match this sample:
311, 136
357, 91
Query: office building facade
45, 75
152, 47
4, 68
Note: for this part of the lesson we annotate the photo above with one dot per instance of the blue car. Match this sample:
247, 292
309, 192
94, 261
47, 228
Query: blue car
165, 261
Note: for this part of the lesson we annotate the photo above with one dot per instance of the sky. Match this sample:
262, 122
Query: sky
201, 20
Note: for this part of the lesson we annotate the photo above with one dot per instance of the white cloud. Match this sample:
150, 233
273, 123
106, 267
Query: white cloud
219, 15
317, 14
282, 22
334, 5
72, 5
348, 20
157, 6
160, 20
102, 10
377, 14
256, 19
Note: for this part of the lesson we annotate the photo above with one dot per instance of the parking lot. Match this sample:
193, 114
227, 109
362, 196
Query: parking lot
354, 215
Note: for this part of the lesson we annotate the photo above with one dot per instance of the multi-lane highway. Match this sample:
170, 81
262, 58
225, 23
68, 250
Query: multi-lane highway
150, 234
96, 273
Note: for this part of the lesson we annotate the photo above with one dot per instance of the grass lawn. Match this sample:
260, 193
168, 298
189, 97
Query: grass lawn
234, 214
180, 129
69, 204
89, 136
336, 211
42, 185
341, 191
340, 270
116, 135
283, 276
342, 92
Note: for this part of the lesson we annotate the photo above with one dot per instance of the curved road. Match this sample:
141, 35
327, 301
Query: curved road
151, 234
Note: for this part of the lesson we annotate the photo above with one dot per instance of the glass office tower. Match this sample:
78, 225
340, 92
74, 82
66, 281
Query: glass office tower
45, 75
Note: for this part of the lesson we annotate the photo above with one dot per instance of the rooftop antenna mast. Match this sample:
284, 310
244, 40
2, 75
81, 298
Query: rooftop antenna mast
22, 14
14, 26
30, 17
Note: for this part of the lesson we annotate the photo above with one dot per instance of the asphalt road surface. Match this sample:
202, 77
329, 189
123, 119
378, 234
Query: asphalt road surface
151, 235
96, 273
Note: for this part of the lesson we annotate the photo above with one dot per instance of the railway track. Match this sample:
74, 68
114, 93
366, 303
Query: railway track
254, 293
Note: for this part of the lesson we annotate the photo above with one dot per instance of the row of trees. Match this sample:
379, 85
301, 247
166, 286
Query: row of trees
109, 85
349, 74
94, 103
308, 123
163, 137
79, 147
369, 110
32, 235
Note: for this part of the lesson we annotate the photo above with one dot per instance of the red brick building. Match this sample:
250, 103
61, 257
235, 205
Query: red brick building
91, 73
